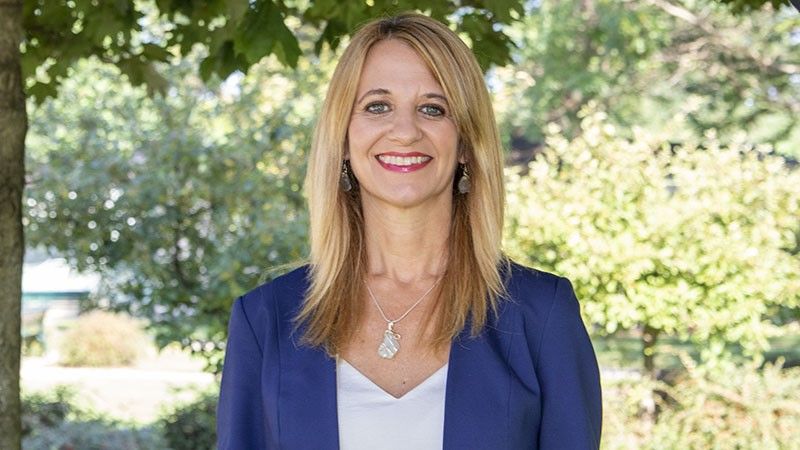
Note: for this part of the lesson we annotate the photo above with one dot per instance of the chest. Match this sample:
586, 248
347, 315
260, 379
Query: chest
413, 363
490, 402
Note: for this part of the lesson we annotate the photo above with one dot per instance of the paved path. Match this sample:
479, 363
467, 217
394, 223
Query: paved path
133, 394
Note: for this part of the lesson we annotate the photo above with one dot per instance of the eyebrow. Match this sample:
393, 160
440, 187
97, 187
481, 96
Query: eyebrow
382, 91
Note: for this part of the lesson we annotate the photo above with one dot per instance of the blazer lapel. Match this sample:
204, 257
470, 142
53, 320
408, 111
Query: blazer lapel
476, 396
308, 417
307, 414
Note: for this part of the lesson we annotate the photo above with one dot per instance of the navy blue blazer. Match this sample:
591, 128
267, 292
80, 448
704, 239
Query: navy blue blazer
529, 381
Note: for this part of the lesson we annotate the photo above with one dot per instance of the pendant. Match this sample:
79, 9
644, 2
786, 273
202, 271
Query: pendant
390, 344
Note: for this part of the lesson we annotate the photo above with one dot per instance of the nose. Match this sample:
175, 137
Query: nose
405, 129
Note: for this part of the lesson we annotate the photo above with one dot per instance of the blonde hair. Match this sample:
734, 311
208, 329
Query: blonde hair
472, 283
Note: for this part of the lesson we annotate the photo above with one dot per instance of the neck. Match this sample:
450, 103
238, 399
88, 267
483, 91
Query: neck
406, 245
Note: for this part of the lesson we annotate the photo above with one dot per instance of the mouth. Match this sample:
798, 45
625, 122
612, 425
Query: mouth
405, 162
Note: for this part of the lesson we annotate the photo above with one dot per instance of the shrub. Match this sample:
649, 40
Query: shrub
94, 434
52, 420
45, 410
682, 241
725, 406
733, 406
192, 426
103, 339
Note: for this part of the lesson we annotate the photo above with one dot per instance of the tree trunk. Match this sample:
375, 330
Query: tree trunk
649, 339
13, 126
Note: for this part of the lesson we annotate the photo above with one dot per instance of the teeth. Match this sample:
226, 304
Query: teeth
403, 160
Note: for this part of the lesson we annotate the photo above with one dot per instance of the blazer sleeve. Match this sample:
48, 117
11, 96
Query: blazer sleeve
240, 414
569, 378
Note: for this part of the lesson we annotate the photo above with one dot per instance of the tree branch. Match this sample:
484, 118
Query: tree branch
687, 16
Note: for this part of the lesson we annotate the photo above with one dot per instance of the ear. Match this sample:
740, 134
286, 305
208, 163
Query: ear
346, 149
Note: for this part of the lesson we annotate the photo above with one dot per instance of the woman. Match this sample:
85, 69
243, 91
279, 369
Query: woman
408, 329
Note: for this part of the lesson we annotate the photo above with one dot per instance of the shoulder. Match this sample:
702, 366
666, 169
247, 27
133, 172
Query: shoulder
282, 295
538, 298
520, 276
543, 308
535, 289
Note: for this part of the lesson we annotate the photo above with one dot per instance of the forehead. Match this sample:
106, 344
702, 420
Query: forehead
393, 62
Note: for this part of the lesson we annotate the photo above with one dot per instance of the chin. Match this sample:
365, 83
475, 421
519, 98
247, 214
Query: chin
407, 197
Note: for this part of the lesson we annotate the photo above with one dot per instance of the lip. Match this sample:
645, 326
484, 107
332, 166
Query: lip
403, 169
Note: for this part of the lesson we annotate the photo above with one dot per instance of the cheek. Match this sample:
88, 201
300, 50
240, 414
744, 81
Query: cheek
447, 139
361, 134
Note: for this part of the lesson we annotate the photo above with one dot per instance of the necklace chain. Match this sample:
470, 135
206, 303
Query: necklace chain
390, 344
392, 322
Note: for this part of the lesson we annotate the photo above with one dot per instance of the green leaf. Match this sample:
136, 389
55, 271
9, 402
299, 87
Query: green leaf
40, 91
501, 9
155, 52
256, 38
223, 62
288, 49
490, 46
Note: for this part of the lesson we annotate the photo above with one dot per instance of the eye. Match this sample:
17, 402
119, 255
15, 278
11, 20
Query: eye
377, 108
432, 110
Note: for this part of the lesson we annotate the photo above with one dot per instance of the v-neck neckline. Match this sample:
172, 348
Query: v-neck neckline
374, 386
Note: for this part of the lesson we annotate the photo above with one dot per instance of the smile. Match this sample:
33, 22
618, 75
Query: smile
403, 163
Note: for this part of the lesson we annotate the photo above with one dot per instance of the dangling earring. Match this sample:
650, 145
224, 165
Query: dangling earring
344, 179
463, 181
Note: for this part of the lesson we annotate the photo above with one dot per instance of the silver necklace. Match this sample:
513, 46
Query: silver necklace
390, 344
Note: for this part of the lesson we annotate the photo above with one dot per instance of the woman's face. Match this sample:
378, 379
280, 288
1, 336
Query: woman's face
402, 138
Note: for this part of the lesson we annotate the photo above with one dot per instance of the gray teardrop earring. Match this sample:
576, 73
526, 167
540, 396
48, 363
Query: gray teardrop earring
463, 181
344, 179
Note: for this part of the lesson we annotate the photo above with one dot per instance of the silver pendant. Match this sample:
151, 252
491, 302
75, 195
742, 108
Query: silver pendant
390, 344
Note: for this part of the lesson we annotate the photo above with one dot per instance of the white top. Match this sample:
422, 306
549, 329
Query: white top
371, 418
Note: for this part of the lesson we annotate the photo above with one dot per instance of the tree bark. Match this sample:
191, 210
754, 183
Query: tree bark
13, 127
649, 339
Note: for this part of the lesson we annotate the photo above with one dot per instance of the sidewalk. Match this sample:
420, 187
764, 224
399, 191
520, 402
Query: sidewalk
132, 393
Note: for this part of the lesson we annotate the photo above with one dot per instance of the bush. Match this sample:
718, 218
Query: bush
691, 242
725, 406
103, 339
53, 421
94, 434
192, 426
733, 406
41, 410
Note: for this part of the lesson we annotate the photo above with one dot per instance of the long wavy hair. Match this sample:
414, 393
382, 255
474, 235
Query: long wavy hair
472, 283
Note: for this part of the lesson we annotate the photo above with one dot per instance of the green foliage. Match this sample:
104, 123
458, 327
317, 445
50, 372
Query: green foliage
569, 54
684, 241
46, 410
101, 339
733, 406
94, 434
192, 426
236, 33
181, 202
743, 6
689, 65
52, 420
730, 406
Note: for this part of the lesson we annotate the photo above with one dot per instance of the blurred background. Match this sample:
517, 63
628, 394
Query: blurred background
652, 158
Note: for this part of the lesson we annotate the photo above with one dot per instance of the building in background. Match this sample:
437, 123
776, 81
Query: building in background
52, 296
